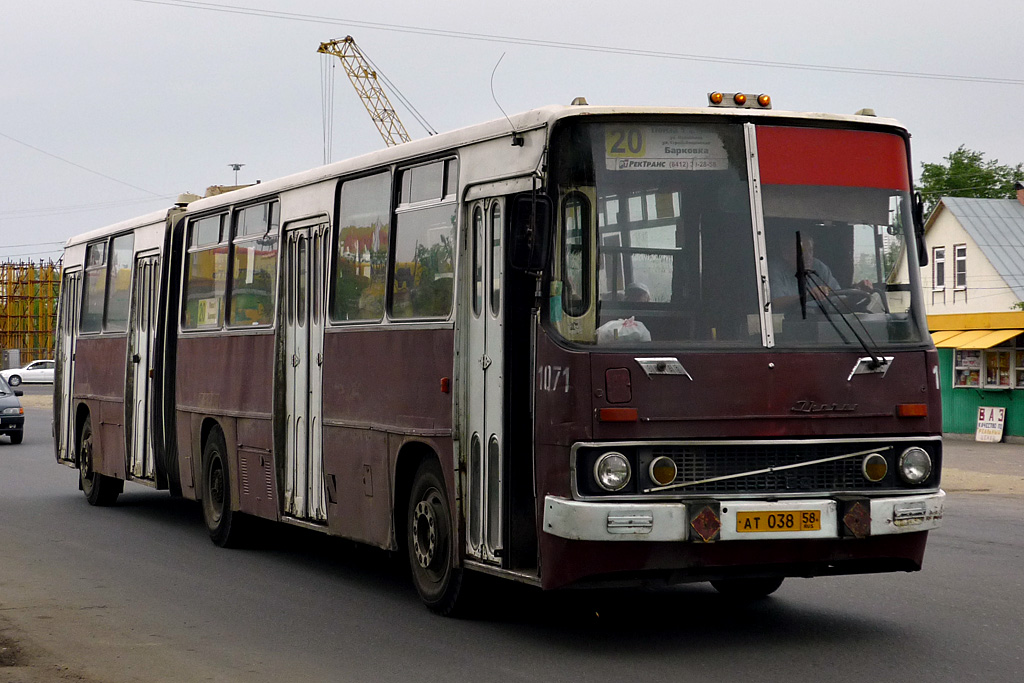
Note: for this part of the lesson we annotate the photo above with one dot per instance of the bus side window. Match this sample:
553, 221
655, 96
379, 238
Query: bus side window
254, 265
424, 272
364, 238
119, 283
206, 278
95, 289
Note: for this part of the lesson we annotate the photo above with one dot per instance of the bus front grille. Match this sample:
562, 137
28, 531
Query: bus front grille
744, 468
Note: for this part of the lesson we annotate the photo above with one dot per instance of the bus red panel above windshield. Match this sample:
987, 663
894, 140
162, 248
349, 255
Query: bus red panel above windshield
843, 158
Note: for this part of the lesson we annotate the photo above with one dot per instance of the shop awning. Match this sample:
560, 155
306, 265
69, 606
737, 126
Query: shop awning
940, 336
972, 339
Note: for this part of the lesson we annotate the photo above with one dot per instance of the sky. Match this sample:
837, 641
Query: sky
111, 108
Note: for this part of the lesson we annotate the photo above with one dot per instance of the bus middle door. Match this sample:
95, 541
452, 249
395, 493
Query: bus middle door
305, 270
486, 362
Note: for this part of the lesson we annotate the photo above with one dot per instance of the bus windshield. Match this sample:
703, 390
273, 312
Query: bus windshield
656, 244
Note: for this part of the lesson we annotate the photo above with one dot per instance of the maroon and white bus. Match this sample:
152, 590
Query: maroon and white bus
582, 346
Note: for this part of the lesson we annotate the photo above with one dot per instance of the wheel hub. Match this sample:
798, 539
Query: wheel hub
424, 534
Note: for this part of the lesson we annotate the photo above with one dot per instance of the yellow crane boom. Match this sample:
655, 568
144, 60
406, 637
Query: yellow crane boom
364, 80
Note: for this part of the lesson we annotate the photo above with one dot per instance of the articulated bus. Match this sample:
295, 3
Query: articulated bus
581, 346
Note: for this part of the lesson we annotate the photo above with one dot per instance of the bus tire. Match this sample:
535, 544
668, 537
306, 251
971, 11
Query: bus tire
223, 523
430, 542
99, 489
745, 590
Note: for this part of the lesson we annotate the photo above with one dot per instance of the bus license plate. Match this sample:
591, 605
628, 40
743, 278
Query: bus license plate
790, 520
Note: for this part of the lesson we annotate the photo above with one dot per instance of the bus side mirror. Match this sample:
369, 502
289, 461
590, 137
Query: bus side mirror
918, 214
530, 232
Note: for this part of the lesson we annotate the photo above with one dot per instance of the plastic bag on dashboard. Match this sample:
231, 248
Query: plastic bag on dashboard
623, 330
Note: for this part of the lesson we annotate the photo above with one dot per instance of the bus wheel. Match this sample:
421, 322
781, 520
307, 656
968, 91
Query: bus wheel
222, 522
99, 489
430, 541
747, 589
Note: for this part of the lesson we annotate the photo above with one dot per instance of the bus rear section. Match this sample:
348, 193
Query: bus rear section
730, 385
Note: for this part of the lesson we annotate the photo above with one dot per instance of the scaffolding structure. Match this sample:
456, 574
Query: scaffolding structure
28, 308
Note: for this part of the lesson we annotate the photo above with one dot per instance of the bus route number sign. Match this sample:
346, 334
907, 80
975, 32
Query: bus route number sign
663, 148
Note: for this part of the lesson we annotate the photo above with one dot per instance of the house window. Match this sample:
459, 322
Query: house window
960, 254
939, 268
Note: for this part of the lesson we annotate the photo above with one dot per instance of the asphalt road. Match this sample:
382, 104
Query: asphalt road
138, 593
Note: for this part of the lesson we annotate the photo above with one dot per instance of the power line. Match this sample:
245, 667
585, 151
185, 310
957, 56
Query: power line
31, 244
580, 47
84, 168
44, 212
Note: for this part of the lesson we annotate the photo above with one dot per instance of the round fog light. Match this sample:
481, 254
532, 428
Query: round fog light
874, 467
663, 470
915, 465
612, 471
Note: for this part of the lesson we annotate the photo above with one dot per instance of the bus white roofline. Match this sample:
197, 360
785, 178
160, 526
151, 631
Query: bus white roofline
155, 217
524, 122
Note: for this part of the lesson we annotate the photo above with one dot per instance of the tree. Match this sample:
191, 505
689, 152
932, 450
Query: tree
967, 174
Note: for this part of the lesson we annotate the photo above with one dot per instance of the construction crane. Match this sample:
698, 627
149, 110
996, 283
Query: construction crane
364, 80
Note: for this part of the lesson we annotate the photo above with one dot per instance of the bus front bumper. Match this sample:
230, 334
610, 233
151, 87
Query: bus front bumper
732, 520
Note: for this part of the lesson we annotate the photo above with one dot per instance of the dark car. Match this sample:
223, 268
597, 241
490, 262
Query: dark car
12, 415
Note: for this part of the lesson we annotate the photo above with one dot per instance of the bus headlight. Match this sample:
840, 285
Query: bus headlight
915, 465
612, 471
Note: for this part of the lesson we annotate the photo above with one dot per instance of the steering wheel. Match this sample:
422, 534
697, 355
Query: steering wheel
856, 300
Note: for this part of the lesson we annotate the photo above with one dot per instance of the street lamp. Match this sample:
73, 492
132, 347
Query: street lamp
236, 168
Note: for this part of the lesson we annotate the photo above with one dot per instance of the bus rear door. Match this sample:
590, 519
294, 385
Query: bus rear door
71, 292
140, 373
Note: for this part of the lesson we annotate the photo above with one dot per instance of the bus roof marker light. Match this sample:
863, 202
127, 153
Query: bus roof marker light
715, 97
764, 100
740, 99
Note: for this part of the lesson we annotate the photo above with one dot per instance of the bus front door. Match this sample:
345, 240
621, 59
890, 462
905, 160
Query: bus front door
70, 299
140, 374
305, 271
485, 370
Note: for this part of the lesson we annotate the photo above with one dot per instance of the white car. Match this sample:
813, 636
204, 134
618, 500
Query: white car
36, 371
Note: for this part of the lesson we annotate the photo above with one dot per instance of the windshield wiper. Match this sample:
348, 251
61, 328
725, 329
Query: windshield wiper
876, 359
801, 276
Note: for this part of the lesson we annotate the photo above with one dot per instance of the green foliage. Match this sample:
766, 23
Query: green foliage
966, 173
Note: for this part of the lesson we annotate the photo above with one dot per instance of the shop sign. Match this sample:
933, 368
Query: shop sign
990, 424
